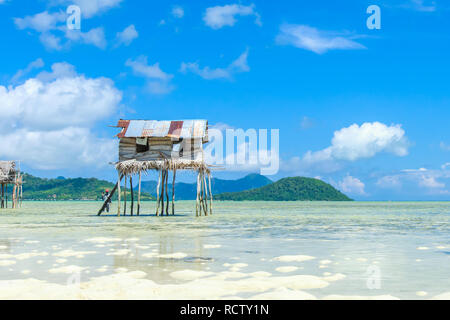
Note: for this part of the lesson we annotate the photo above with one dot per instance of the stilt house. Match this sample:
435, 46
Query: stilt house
10, 175
163, 146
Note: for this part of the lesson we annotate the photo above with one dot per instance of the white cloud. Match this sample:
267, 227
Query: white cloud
36, 64
309, 38
306, 123
48, 124
352, 185
177, 12
422, 177
94, 37
51, 26
90, 8
444, 146
220, 16
50, 41
237, 66
41, 22
158, 80
359, 142
59, 70
141, 68
127, 36
422, 5
388, 182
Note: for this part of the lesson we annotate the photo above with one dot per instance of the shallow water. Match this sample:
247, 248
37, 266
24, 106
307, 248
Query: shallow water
390, 249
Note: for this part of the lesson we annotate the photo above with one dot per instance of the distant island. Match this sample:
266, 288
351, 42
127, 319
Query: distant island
187, 191
61, 188
250, 187
289, 189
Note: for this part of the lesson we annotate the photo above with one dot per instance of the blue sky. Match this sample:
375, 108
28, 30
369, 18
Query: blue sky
309, 68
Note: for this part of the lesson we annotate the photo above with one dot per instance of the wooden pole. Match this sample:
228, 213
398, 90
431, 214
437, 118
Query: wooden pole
210, 194
125, 197
173, 191
157, 192
118, 189
197, 204
139, 195
167, 193
14, 196
162, 191
205, 192
132, 195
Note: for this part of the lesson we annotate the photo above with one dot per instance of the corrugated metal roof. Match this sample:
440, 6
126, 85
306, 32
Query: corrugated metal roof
186, 129
7, 170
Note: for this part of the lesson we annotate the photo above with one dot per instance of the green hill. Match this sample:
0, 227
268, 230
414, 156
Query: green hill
36, 188
289, 189
187, 191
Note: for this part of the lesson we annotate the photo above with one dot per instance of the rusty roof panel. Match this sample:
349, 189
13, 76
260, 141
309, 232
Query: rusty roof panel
195, 129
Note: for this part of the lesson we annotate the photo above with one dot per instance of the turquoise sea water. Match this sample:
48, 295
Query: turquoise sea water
400, 249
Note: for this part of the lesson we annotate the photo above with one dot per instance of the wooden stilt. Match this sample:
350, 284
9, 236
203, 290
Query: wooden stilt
210, 195
167, 193
157, 192
173, 191
139, 195
6, 195
118, 188
197, 203
14, 197
205, 192
162, 191
132, 195
125, 197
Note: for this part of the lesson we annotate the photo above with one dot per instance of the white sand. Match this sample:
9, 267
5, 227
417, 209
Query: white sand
333, 278
176, 255
24, 256
443, 296
71, 253
260, 274
102, 240
5, 263
284, 294
211, 246
67, 269
120, 252
190, 274
132, 285
298, 258
286, 269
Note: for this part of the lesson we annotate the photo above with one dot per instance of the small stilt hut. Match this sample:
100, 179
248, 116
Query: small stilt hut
10, 175
162, 146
